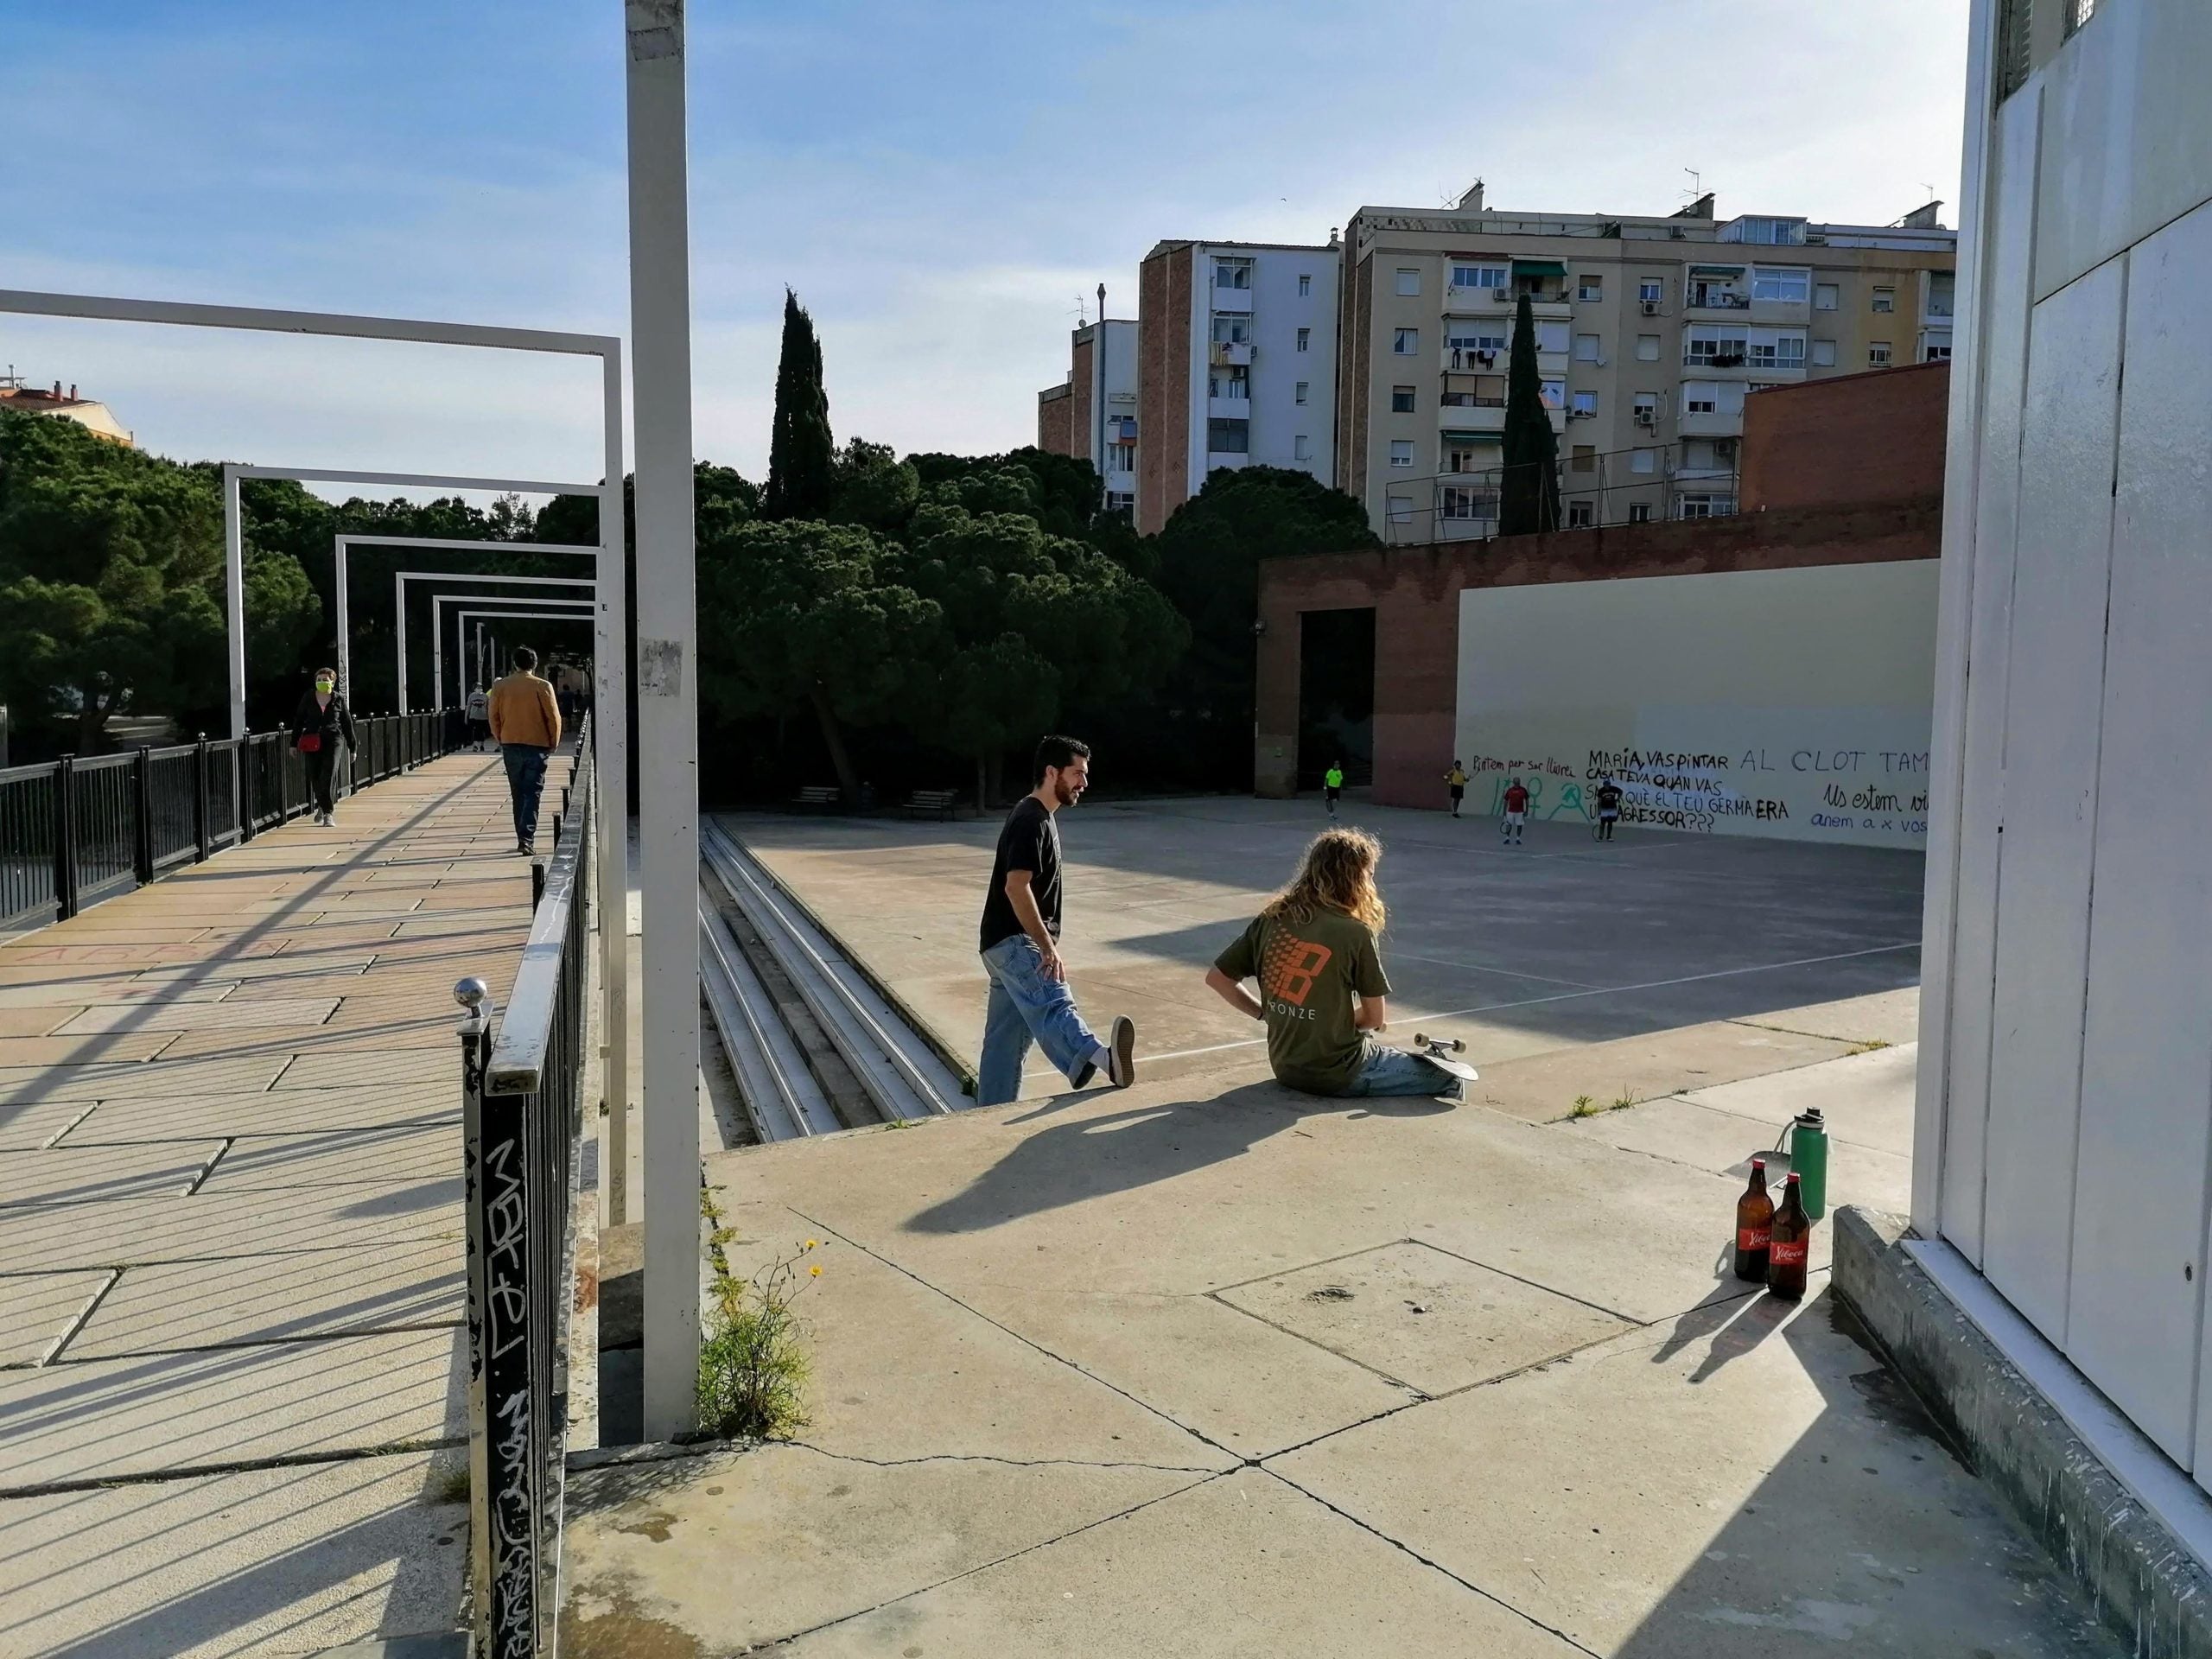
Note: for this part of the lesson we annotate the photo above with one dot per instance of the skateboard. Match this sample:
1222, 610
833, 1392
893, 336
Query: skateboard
1444, 1050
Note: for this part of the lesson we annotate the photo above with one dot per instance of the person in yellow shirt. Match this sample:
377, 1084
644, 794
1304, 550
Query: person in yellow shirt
1457, 778
526, 723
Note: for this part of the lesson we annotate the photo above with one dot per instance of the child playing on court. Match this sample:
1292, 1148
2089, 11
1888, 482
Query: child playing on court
1313, 950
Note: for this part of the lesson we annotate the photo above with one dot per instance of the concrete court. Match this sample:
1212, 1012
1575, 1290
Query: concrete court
1207, 1368
231, 1271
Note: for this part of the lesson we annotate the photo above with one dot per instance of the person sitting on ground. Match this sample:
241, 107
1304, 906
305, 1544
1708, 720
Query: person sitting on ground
1314, 951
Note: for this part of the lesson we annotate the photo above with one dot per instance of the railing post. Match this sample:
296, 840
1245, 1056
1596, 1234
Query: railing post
142, 795
199, 825
64, 837
538, 881
249, 796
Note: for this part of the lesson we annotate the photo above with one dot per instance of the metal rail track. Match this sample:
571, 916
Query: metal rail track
901, 1074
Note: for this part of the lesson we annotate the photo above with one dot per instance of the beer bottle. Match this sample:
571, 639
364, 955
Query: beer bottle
1789, 1245
1754, 1215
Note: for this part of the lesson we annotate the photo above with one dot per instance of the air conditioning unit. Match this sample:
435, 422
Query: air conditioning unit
1646, 416
1651, 307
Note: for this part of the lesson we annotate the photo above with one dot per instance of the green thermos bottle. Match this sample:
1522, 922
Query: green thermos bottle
1808, 1159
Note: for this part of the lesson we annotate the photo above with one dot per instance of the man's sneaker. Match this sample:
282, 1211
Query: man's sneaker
1122, 1052
527, 848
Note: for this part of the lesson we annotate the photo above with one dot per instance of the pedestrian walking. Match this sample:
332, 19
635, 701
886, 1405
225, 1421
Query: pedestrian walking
1516, 812
1332, 785
1609, 807
526, 723
1316, 953
1457, 778
479, 707
1029, 997
319, 724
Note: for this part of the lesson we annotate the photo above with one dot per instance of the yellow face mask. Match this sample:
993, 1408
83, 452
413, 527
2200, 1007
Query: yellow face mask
326, 686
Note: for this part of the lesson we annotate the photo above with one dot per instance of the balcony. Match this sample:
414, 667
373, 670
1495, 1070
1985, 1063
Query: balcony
1229, 409
1476, 302
1712, 424
1234, 300
1458, 359
1228, 354
1486, 415
1709, 303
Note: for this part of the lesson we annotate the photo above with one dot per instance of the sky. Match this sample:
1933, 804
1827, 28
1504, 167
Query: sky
942, 184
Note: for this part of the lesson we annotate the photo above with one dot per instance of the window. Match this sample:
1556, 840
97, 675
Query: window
1228, 437
1475, 343
1647, 348
1824, 354
1401, 400
1585, 404
1467, 276
1305, 284
1461, 456
1554, 393
1647, 407
1232, 273
1582, 512
1551, 337
1644, 460
1639, 512
1714, 343
2078, 12
1233, 381
1707, 505
1401, 509
1584, 459
1877, 355
1824, 296
1405, 343
1401, 451
1586, 348
1301, 392
1305, 339
1651, 290
1409, 280
1232, 330
1936, 351
1781, 284
1301, 448
1768, 349
1461, 502
1589, 289
1885, 299
1943, 290
1712, 397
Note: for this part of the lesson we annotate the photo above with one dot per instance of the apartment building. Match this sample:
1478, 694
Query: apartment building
1236, 365
93, 416
1650, 332
1092, 415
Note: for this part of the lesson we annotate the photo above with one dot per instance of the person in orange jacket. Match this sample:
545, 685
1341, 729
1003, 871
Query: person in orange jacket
526, 722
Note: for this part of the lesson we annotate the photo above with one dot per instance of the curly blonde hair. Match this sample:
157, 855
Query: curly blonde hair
1337, 873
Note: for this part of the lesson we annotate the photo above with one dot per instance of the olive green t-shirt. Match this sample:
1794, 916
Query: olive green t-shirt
1308, 968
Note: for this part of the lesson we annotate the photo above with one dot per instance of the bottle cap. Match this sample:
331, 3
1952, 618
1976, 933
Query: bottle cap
1759, 1162
1793, 1178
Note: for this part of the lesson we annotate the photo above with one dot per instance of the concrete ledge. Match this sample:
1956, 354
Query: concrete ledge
2148, 1588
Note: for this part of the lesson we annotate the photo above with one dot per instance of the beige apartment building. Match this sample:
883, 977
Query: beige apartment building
1650, 334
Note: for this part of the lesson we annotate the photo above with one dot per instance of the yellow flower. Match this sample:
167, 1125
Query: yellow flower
816, 1270
812, 1242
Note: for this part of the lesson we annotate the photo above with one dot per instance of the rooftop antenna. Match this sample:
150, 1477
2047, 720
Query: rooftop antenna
1697, 184
1082, 310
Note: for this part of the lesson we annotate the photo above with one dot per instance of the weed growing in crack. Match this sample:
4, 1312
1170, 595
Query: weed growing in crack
1621, 1103
1584, 1107
753, 1365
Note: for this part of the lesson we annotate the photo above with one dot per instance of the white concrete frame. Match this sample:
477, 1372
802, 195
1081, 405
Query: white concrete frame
480, 617
439, 602
611, 730
401, 578
347, 539
668, 711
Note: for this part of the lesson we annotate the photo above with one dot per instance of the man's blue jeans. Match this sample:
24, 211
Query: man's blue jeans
1389, 1070
525, 777
1025, 1005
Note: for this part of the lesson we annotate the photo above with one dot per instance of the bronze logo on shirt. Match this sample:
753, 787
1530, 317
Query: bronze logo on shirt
1291, 968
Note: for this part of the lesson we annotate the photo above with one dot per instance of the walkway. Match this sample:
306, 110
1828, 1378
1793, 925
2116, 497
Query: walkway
231, 1271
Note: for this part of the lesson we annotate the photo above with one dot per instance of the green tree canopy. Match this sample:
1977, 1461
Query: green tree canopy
801, 453
1528, 494
870, 486
111, 582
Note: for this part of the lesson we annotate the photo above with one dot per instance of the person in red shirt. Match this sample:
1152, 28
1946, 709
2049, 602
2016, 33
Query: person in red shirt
1516, 812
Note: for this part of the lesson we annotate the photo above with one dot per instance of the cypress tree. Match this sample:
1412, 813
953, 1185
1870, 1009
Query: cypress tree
1529, 497
801, 453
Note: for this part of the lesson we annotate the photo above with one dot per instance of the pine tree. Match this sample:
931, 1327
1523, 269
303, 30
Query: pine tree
1529, 497
801, 454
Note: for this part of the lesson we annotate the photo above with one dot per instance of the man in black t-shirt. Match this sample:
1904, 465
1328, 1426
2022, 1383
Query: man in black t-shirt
1020, 942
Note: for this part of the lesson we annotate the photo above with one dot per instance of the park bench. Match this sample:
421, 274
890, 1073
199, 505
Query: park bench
943, 802
818, 798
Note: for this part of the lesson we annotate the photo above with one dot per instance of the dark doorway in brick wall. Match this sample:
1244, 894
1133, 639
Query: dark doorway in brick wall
1336, 695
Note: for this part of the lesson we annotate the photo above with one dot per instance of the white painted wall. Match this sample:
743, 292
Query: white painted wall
1277, 310
1783, 704
2065, 1120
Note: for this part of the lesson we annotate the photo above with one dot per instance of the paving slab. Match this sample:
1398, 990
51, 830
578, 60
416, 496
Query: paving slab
1239, 1566
1866, 1099
111, 1048
38, 1310
250, 1299
285, 1560
33, 1021
90, 992
262, 1112
76, 1175
438, 1063
1879, 1017
167, 1414
1419, 1315
21, 1084
1682, 1131
713, 1553
26, 1127
1747, 1481
1544, 1087
190, 1016
400, 1156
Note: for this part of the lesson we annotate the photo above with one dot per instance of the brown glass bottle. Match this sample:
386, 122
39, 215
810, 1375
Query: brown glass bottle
1754, 1216
1789, 1245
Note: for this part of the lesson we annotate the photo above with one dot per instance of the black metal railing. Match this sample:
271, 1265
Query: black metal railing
523, 1118
78, 830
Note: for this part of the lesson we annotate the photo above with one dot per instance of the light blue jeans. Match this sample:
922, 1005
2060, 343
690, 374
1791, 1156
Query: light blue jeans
525, 777
1026, 1005
1388, 1071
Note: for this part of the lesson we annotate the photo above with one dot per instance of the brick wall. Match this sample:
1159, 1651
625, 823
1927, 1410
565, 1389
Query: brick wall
1416, 595
1163, 385
1082, 367
1858, 438
1055, 416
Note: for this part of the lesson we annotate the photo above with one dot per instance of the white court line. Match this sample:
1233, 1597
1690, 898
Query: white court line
1483, 968
1563, 996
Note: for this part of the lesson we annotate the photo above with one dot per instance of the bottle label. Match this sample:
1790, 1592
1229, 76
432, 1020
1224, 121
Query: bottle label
1788, 1253
1752, 1238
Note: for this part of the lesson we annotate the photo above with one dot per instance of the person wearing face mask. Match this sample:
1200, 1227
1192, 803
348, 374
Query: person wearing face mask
319, 724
